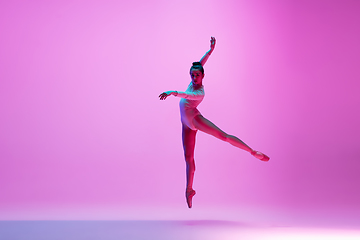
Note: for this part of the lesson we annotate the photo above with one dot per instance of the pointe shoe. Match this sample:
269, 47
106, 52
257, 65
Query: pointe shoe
189, 195
260, 156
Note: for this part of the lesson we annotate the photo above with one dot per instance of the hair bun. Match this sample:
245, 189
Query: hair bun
196, 64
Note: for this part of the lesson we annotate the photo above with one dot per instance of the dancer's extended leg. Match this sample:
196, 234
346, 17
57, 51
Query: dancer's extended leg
207, 126
188, 137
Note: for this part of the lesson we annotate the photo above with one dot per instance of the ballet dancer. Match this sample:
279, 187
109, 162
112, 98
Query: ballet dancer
192, 121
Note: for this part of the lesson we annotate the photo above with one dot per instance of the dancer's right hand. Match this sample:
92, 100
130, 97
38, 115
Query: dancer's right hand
164, 95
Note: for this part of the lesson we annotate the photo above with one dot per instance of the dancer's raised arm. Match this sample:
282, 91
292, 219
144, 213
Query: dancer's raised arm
208, 53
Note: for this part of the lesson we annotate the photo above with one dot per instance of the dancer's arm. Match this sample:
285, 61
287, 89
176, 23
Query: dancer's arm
196, 95
208, 53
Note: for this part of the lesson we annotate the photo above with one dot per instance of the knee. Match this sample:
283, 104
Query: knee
189, 158
190, 162
223, 136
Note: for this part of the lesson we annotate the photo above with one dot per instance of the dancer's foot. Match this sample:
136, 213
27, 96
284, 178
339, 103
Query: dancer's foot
189, 195
260, 156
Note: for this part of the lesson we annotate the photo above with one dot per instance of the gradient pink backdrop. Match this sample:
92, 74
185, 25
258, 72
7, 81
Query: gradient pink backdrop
84, 136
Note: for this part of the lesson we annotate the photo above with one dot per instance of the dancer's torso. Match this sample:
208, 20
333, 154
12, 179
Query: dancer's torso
188, 103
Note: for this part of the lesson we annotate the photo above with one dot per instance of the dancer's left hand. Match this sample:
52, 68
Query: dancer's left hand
164, 95
212, 43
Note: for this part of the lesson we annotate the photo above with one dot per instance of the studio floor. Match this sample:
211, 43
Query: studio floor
306, 226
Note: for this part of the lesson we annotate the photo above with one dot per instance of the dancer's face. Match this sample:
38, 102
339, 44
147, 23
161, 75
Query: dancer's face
196, 77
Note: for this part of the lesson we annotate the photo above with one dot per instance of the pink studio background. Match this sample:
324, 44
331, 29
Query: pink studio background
84, 136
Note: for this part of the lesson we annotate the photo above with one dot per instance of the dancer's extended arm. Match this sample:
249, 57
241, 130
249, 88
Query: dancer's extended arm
196, 95
208, 53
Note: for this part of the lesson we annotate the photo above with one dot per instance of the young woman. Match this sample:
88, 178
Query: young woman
192, 121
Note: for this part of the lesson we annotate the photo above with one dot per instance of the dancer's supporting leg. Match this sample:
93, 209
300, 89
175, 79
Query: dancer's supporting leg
208, 127
188, 137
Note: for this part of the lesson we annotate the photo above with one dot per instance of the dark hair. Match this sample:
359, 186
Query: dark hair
197, 66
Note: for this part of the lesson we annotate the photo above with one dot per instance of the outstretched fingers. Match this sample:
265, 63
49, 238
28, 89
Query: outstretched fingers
163, 96
212, 42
